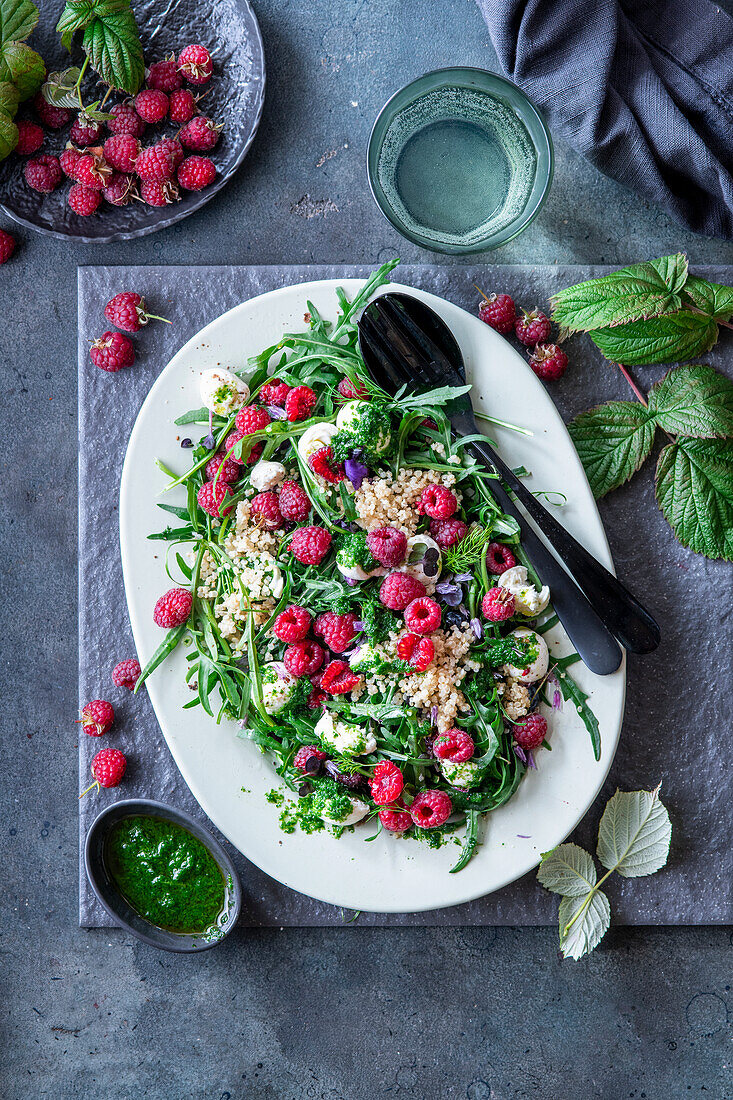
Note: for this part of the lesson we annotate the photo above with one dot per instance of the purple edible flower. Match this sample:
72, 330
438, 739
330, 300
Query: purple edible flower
358, 625
350, 581
557, 699
477, 629
450, 593
281, 670
530, 760
463, 578
434, 715
519, 752
355, 471
209, 442
187, 442
276, 413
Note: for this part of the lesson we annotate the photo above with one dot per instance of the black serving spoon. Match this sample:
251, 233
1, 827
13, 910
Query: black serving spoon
403, 341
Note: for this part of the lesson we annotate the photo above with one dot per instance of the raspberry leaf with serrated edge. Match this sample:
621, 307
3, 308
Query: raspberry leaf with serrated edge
668, 339
583, 923
18, 19
612, 440
640, 291
694, 489
567, 870
693, 400
23, 67
113, 47
634, 834
9, 99
713, 298
8, 135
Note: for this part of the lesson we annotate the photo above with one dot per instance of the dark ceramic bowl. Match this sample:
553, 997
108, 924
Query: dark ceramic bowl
234, 96
119, 909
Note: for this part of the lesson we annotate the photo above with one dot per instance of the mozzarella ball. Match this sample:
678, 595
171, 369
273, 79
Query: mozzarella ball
222, 391
344, 737
266, 475
314, 438
417, 544
527, 599
538, 660
277, 689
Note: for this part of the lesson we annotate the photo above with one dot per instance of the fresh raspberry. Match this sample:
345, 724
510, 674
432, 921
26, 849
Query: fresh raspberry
499, 558
231, 441
251, 419
120, 189
454, 745
154, 164
308, 759
498, 605
30, 138
300, 403
338, 679
303, 658
127, 311
294, 502
97, 717
223, 468
200, 134
310, 544
157, 193
437, 502
173, 608
388, 545
337, 631
448, 532
530, 732
386, 783
126, 120
321, 462
417, 651
85, 131
126, 673
274, 393
212, 496
52, 117
112, 351
196, 65
174, 149
350, 392
264, 511
195, 173
399, 589
164, 76
292, 624
532, 327
92, 171
121, 152
69, 160
549, 362
498, 311
7, 246
83, 201
43, 173
317, 695
108, 767
422, 615
429, 809
181, 106
151, 104
395, 821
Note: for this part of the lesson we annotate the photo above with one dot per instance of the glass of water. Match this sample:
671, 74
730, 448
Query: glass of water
460, 161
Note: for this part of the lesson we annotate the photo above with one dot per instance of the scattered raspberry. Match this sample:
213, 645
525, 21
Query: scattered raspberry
294, 502
308, 759
310, 544
437, 502
395, 821
127, 311
121, 152
274, 393
30, 138
499, 558
112, 350
448, 532
97, 717
498, 605
388, 545
321, 462
174, 149
108, 767
151, 104
300, 403
530, 732
43, 173
430, 809
454, 745
200, 134
195, 173
337, 631
292, 624
157, 193
126, 120
226, 469
212, 496
303, 658
417, 651
7, 246
251, 419
422, 615
53, 118
164, 76
399, 589
69, 160
181, 106
549, 362
83, 201
85, 131
126, 673
338, 679
265, 511
154, 164
498, 311
532, 327
173, 608
386, 783
196, 65
350, 392
120, 189
92, 171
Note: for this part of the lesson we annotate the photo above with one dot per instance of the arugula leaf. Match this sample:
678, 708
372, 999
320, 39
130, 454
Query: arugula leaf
634, 834
612, 440
583, 923
716, 300
573, 693
470, 841
637, 292
9, 99
18, 18
694, 489
113, 47
693, 400
667, 339
567, 870
8, 135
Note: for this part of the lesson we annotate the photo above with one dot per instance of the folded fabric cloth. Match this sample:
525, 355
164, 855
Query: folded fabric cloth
642, 88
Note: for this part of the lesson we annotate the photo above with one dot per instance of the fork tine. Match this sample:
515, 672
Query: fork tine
423, 349
382, 363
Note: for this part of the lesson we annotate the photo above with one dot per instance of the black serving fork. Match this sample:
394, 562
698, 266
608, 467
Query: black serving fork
403, 341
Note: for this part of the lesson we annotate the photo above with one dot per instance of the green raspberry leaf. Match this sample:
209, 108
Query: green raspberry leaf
583, 924
114, 51
694, 489
612, 440
667, 339
78, 14
693, 400
634, 834
567, 870
60, 88
18, 19
23, 67
712, 298
9, 99
633, 293
8, 135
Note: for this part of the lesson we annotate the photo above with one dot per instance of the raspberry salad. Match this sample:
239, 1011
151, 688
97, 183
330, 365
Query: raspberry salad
353, 597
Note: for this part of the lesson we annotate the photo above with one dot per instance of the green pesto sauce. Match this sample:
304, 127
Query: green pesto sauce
353, 550
374, 424
166, 874
435, 838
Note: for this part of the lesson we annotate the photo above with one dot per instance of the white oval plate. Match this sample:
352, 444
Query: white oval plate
388, 875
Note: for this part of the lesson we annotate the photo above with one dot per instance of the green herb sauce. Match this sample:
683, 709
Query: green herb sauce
353, 550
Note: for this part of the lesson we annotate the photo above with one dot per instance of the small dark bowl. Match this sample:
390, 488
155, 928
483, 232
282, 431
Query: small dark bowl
119, 909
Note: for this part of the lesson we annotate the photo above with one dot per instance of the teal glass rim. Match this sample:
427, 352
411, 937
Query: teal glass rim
478, 80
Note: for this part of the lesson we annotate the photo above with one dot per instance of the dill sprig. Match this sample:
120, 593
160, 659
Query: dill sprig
468, 552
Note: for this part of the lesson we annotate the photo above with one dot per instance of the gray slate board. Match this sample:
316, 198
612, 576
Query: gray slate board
677, 725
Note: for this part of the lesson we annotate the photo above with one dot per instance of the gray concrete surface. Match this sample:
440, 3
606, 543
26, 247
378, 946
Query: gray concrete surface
418, 1014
